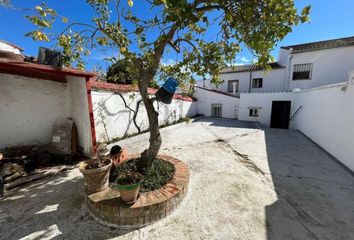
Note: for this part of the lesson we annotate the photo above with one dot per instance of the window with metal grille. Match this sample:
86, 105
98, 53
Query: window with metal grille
230, 86
302, 71
257, 82
216, 110
253, 112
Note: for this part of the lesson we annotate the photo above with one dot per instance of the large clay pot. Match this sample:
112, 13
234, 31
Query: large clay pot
129, 193
96, 179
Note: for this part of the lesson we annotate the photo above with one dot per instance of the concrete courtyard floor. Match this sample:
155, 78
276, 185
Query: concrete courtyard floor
246, 183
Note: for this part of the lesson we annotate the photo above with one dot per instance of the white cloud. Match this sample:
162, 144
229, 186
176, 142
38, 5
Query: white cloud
242, 60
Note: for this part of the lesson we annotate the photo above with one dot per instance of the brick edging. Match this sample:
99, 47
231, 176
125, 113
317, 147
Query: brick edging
107, 208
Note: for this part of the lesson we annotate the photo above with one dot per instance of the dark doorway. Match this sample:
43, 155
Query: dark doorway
280, 114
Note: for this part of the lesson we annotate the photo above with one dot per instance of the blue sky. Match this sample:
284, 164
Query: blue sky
329, 19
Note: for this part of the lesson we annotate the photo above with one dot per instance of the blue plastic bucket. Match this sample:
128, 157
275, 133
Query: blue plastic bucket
170, 85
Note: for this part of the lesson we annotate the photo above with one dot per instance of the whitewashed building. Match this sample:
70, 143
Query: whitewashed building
300, 66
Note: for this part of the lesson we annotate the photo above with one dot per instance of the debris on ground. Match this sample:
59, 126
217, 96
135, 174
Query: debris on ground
22, 164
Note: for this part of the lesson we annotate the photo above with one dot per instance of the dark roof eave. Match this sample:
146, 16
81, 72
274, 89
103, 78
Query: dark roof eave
321, 45
248, 68
35, 70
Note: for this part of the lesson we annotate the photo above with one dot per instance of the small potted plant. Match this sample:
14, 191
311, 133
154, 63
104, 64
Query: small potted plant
96, 171
128, 185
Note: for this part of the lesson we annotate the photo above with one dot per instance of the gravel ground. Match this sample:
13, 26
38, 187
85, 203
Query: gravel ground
246, 183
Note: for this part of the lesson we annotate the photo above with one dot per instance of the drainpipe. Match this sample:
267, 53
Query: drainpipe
250, 85
288, 72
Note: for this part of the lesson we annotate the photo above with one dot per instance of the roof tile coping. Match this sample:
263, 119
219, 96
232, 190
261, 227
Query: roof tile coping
319, 45
125, 88
250, 68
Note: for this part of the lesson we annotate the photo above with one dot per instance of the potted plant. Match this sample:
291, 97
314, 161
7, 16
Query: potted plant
96, 171
128, 185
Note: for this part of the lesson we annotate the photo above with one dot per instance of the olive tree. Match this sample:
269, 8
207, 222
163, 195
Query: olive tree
205, 34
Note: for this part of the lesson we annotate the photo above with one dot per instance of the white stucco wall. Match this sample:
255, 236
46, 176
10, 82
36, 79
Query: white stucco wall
327, 117
330, 66
80, 112
9, 48
262, 101
273, 81
29, 108
207, 98
114, 120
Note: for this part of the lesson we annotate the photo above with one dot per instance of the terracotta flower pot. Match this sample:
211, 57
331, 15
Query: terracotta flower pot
129, 193
96, 179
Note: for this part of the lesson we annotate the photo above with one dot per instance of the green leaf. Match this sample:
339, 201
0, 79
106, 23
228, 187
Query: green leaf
38, 8
130, 3
139, 30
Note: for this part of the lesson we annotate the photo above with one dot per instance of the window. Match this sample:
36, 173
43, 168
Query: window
216, 110
302, 71
253, 112
257, 82
230, 86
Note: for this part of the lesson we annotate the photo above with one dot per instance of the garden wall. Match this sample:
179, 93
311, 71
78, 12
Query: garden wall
327, 117
29, 108
113, 120
262, 102
207, 97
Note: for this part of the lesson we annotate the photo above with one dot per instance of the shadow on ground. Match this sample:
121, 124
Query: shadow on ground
246, 183
50, 209
314, 191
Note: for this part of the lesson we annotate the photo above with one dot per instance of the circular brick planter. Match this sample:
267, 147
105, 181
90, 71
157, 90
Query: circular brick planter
109, 209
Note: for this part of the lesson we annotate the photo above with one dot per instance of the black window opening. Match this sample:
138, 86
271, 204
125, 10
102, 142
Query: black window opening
302, 71
230, 87
216, 110
253, 112
257, 82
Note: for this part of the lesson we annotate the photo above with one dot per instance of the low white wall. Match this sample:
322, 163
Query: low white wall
80, 113
262, 101
206, 98
327, 117
29, 108
9, 48
114, 120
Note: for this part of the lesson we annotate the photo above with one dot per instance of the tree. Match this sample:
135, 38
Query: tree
183, 26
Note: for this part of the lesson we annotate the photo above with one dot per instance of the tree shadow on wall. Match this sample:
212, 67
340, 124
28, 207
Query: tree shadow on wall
119, 116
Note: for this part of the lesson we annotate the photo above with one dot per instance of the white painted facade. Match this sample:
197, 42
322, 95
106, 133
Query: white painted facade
327, 117
329, 66
29, 108
113, 120
272, 81
262, 102
207, 98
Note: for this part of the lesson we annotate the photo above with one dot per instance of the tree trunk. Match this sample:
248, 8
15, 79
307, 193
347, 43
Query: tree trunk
149, 155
